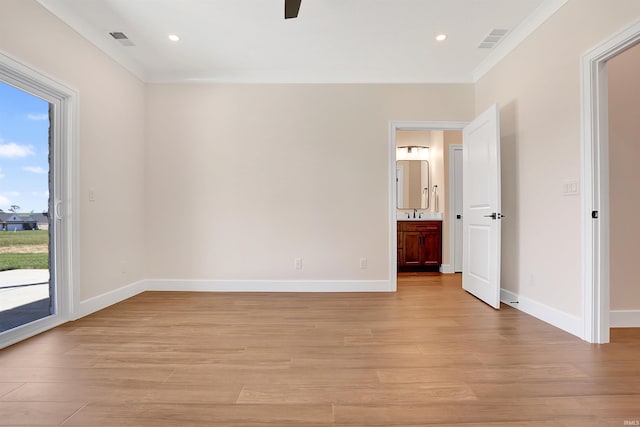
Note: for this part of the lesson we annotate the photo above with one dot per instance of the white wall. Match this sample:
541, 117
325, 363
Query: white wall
538, 89
111, 140
244, 178
624, 155
437, 171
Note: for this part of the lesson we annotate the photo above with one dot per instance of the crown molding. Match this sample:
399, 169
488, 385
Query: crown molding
519, 34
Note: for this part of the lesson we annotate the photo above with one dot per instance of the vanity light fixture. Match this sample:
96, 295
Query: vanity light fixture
412, 152
441, 37
173, 37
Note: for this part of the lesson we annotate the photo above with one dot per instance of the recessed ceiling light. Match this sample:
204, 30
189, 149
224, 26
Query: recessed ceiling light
174, 38
441, 37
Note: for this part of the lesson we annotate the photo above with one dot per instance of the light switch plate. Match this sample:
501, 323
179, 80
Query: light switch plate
570, 187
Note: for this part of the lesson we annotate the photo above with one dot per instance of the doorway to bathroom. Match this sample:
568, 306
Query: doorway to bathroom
481, 208
435, 143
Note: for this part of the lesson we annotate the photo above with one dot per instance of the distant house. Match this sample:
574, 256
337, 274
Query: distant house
42, 220
20, 221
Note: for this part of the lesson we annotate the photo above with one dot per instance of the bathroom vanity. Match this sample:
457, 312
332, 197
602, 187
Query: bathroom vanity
419, 244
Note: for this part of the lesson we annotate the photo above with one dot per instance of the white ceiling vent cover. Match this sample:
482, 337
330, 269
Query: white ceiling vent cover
122, 38
493, 38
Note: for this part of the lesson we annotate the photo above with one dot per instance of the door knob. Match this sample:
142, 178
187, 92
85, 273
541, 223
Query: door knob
495, 216
458, 216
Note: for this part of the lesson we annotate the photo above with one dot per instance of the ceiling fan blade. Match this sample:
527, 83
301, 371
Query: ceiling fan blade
291, 8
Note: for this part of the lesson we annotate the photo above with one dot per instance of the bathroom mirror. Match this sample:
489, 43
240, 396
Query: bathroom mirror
412, 180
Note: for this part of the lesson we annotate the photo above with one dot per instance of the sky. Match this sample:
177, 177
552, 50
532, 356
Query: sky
24, 150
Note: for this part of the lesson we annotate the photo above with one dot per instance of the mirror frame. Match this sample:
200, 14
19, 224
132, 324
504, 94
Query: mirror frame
424, 188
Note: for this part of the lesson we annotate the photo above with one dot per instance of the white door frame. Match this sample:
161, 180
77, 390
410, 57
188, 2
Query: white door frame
595, 176
394, 126
452, 214
64, 211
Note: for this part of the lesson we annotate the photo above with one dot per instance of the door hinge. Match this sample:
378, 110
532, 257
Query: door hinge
594, 214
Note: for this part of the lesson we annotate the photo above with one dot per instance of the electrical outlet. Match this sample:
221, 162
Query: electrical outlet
92, 194
363, 263
297, 263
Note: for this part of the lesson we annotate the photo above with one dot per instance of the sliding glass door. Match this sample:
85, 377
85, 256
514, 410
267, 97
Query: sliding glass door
27, 232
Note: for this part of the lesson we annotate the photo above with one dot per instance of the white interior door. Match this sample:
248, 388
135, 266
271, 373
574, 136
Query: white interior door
481, 207
457, 208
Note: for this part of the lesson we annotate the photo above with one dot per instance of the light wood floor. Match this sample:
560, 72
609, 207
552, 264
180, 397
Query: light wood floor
429, 354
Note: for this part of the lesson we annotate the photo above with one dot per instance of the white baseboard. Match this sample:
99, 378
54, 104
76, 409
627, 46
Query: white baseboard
625, 318
99, 302
268, 285
572, 324
447, 269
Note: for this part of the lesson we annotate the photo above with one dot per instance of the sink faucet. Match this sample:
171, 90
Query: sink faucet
414, 212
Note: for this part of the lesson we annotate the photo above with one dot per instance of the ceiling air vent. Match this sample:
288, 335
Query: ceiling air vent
493, 38
122, 38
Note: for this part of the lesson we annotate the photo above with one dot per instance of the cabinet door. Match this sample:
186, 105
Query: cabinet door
400, 243
431, 248
412, 248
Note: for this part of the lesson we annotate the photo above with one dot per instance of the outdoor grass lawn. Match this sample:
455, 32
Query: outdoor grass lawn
24, 249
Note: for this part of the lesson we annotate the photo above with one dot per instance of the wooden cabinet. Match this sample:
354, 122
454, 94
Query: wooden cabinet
419, 244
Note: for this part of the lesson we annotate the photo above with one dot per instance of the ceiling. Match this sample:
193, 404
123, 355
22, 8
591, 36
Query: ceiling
331, 41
